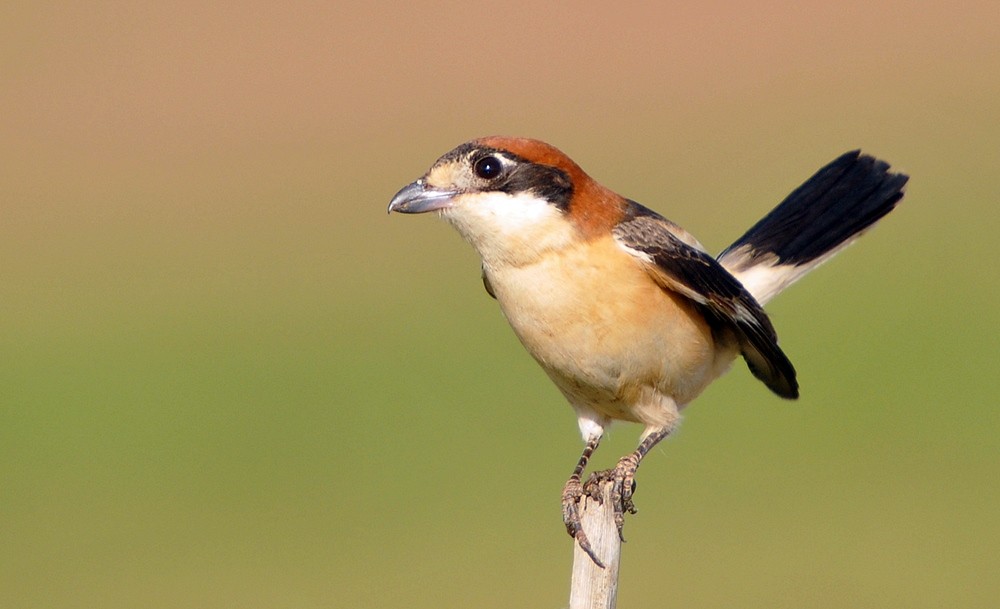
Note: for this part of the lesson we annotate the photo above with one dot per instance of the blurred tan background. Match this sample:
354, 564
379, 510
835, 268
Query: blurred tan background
230, 380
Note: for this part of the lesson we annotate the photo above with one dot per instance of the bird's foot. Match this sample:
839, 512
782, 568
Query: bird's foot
572, 494
622, 479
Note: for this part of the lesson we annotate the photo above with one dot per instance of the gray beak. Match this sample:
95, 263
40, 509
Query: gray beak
417, 198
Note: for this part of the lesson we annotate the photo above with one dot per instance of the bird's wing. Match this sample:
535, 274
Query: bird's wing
673, 259
488, 285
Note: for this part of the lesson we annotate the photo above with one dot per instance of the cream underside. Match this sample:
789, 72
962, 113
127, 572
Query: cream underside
616, 344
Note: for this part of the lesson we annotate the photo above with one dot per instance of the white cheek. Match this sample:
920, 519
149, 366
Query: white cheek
509, 229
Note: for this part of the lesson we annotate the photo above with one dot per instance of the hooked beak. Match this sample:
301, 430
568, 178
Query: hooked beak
417, 198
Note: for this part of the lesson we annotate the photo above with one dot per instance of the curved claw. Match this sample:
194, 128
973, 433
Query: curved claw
572, 493
622, 478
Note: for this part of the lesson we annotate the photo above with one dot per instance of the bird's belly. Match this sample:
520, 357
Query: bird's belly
606, 333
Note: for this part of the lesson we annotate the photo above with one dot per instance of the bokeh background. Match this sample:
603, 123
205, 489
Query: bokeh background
230, 380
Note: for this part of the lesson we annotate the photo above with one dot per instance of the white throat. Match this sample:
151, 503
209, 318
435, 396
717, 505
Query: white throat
509, 229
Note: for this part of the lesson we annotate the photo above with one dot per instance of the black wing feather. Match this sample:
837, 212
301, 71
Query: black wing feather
698, 276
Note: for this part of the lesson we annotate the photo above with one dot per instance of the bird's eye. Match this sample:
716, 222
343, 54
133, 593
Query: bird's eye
488, 167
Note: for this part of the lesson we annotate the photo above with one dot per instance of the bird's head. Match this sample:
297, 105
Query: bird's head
512, 198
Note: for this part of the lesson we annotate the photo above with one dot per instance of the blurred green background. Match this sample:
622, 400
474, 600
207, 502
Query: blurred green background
230, 380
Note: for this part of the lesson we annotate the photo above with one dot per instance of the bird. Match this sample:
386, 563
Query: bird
625, 311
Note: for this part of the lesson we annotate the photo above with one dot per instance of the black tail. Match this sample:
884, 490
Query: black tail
827, 212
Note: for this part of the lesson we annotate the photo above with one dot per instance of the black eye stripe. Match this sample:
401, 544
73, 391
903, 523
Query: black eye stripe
515, 175
545, 181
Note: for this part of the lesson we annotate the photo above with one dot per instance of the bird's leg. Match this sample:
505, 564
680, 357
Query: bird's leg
622, 477
571, 495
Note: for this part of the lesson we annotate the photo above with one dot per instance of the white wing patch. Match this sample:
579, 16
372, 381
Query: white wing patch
764, 278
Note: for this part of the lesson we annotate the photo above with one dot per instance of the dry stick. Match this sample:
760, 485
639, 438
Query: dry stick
593, 587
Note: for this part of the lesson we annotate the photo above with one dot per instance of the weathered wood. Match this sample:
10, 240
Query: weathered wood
593, 587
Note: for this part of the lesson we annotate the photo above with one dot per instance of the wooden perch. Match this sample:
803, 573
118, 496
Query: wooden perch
593, 587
